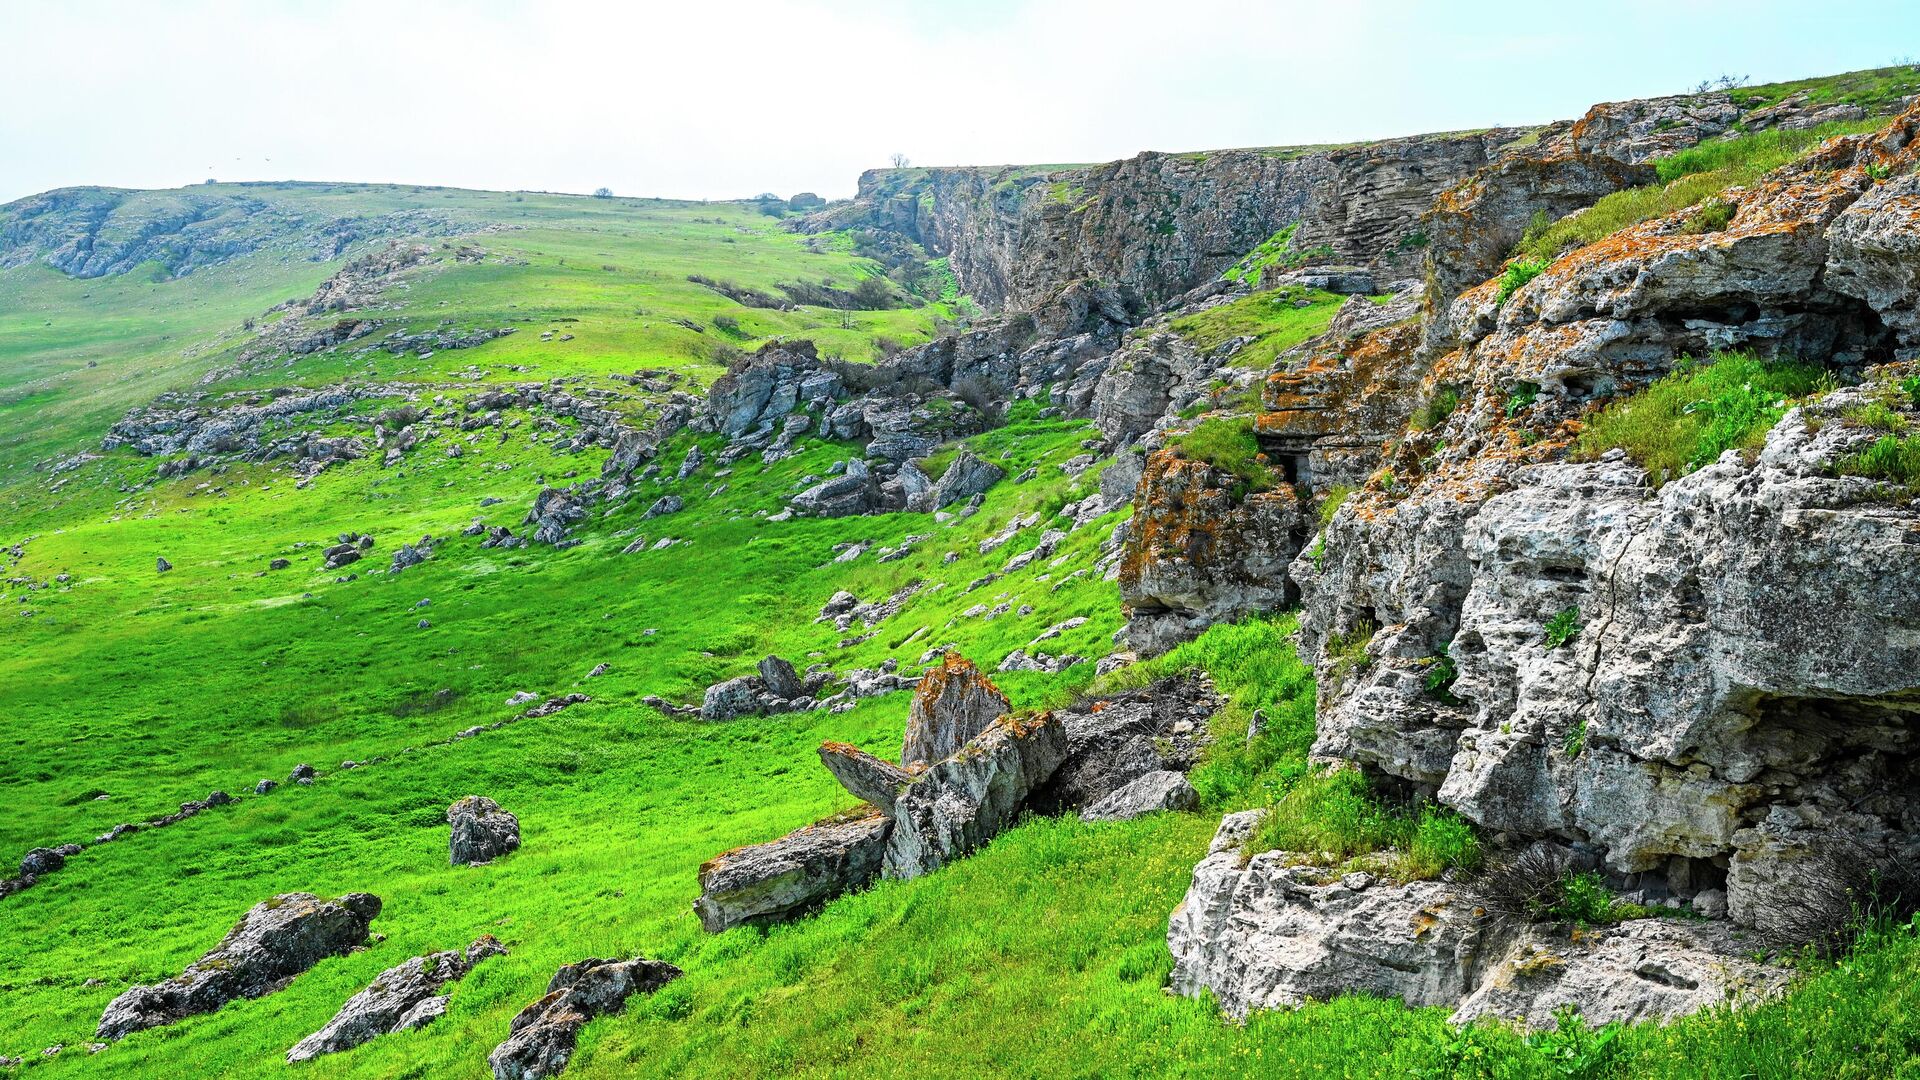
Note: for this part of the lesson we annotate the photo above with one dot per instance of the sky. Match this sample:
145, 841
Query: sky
729, 98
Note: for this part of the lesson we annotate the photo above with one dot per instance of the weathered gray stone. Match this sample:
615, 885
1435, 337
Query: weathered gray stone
965, 800
393, 1002
542, 1037
791, 876
277, 940
1163, 790
953, 703
868, 778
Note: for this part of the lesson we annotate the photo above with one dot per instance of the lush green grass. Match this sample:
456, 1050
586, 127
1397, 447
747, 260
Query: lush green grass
1687, 178
1690, 417
1891, 457
1275, 252
1227, 443
1276, 320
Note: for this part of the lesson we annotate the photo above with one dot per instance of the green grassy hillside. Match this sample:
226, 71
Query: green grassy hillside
127, 691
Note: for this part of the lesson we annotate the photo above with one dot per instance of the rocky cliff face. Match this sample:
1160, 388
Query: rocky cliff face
1164, 223
1737, 700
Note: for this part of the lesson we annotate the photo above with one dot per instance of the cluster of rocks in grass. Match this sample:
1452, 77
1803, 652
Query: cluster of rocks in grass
968, 769
41, 861
287, 935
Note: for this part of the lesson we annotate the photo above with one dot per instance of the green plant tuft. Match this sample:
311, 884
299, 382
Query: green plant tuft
1562, 628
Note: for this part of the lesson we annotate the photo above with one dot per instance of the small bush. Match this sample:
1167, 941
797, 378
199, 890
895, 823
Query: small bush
1854, 891
1576, 739
1910, 386
1713, 215
1877, 416
1538, 884
1692, 416
1442, 840
1518, 273
1562, 628
1440, 677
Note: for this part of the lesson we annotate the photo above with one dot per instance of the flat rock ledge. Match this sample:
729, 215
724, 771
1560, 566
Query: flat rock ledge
1260, 934
399, 999
276, 940
542, 1037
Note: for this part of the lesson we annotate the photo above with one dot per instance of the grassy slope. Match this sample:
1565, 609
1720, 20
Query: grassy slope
1042, 956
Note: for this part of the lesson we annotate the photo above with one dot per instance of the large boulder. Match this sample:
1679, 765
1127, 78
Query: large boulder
953, 703
1163, 790
732, 698
398, 999
543, 1036
482, 832
965, 800
791, 876
276, 940
780, 679
1115, 740
968, 475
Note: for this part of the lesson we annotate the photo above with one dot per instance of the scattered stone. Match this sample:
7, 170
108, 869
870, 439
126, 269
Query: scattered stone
162, 565
265, 786
277, 940
302, 773
41, 861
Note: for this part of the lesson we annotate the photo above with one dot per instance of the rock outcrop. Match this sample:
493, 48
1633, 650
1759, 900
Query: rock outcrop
953, 703
1267, 932
544, 1034
1164, 223
481, 831
399, 999
1731, 692
960, 803
1199, 552
276, 941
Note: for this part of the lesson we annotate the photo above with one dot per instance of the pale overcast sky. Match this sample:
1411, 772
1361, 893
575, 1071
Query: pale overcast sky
726, 98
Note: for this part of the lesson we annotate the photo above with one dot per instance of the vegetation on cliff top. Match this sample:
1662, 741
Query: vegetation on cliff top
1690, 417
1687, 178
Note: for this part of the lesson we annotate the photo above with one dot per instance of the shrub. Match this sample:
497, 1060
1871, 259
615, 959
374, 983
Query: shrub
1910, 386
1692, 416
1440, 676
872, 293
1562, 628
727, 324
1539, 884
1576, 739
1852, 892
1519, 271
1877, 416
1227, 444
